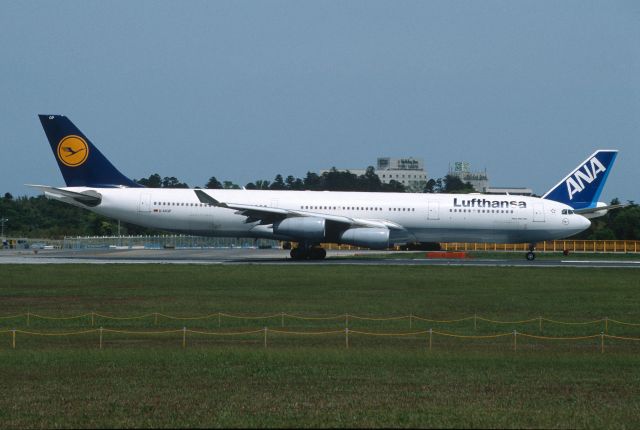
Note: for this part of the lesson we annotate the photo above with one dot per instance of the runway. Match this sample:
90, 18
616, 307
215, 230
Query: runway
281, 257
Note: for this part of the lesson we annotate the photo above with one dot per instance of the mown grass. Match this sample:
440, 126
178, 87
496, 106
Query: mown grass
151, 381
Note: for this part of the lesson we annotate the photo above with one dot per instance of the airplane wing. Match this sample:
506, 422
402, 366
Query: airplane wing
89, 198
587, 211
269, 215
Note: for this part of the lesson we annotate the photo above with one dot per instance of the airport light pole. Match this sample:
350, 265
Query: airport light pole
2, 221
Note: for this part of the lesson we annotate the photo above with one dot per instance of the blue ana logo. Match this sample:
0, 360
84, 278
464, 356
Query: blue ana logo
588, 172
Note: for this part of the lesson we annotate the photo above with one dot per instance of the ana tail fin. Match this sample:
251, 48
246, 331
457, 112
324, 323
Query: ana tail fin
81, 163
582, 187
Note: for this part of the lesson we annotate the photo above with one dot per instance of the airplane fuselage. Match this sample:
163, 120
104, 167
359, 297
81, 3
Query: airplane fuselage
419, 217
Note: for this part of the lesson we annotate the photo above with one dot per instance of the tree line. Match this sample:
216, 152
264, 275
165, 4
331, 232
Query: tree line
332, 180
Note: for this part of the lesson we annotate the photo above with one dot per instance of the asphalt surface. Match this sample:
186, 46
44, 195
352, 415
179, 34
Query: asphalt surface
277, 256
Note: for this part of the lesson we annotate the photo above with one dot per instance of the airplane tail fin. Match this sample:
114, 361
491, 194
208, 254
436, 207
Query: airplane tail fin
81, 163
581, 188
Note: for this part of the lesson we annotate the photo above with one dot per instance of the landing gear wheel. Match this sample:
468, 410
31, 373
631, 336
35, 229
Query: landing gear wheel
298, 254
317, 254
531, 256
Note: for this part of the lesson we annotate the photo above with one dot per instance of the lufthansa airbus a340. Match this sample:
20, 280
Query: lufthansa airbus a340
309, 218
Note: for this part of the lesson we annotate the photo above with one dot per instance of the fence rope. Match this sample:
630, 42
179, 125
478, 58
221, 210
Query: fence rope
574, 323
411, 317
346, 332
508, 322
139, 317
443, 321
213, 333
247, 317
8, 317
486, 336
621, 337
559, 337
413, 333
172, 317
299, 317
47, 317
306, 333
355, 317
623, 323
68, 333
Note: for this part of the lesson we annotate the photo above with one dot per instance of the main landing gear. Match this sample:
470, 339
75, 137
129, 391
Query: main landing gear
308, 253
531, 255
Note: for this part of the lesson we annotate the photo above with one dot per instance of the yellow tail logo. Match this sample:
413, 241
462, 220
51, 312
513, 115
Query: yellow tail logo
73, 151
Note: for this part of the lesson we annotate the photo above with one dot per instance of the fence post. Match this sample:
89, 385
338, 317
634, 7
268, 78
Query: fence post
265, 337
346, 320
606, 325
475, 321
346, 336
540, 324
219, 319
184, 337
601, 342
430, 337
515, 340
282, 319
13, 338
155, 319
410, 321
92, 319
100, 337
27, 318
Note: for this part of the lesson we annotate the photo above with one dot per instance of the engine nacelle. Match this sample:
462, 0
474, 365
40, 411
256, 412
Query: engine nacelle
309, 228
368, 237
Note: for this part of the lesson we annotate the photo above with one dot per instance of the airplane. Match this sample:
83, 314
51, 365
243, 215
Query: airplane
309, 218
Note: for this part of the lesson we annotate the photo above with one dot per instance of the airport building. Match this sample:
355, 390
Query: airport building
479, 179
408, 171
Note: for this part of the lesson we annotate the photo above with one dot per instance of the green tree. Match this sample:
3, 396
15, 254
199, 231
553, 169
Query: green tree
173, 182
213, 183
262, 184
153, 181
369, 181
230, 185
278, 183
453, 184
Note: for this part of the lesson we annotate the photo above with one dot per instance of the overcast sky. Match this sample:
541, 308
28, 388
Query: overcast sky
244, 90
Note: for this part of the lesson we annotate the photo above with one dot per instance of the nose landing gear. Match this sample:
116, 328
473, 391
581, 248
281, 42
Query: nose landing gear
531, 255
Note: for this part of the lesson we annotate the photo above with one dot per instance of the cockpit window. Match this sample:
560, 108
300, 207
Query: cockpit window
568, 212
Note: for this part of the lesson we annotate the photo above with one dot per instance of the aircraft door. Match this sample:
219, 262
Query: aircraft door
538, 212
434, 210
145, 203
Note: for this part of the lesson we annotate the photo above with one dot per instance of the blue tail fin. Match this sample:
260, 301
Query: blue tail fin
81, 164
581, 188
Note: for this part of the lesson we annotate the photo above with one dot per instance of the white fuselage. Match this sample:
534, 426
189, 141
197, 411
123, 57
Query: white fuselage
423, 217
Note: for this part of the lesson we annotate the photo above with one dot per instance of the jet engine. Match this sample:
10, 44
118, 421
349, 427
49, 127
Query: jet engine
308, 228
369, 237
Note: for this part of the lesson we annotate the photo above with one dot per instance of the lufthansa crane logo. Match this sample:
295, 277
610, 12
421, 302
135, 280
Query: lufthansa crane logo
73, 151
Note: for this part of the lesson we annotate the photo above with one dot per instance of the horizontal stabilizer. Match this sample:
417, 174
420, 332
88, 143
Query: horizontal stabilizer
88, 198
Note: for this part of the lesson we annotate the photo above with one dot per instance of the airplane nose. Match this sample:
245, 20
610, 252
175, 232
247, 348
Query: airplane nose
584, 222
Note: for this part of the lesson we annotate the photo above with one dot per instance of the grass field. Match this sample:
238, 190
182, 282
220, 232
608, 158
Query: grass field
315, 381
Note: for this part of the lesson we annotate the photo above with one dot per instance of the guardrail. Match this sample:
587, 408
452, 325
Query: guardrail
621, 246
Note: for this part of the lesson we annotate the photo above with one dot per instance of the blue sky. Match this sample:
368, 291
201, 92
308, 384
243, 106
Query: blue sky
244, 90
